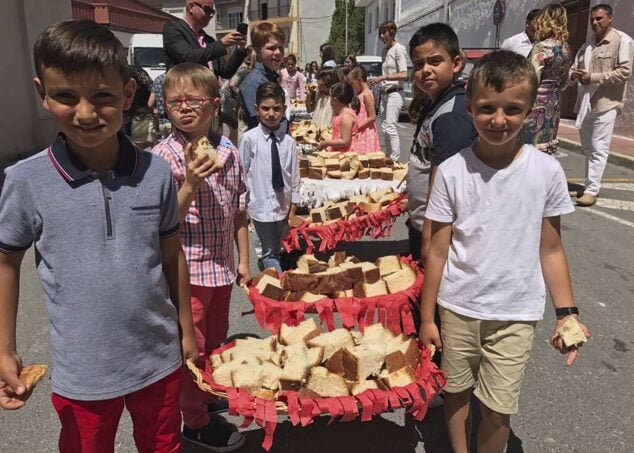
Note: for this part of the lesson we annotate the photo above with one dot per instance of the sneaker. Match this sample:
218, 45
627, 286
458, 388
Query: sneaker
221, 405
586, 200
216, 437
575, 193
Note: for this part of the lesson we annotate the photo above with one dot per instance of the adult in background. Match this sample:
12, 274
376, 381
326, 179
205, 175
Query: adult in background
602, 69
522, 43
350, 62
551, 57
327, 55
394, 73
185, 40
293, 81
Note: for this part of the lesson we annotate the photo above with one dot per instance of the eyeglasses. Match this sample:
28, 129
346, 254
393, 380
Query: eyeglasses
209, 10
192, 103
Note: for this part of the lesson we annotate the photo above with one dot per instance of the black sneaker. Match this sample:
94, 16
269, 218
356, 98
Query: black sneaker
215, 437
221, 405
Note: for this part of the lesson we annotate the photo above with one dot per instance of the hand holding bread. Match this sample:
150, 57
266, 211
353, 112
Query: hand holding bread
568, 336
201, 161
16, 388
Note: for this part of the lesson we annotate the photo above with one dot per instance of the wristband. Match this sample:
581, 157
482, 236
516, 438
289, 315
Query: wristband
565, 311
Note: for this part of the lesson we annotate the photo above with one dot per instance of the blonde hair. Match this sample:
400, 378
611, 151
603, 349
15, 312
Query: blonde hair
261, 33
552, 22
199, 76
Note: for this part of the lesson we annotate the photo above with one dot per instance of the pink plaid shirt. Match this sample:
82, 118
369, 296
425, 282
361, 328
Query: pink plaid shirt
208, 233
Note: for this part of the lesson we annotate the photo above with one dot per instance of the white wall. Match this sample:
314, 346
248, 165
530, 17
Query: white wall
373, 45
314, 27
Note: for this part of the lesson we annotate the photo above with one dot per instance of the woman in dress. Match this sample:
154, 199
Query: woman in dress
551, 58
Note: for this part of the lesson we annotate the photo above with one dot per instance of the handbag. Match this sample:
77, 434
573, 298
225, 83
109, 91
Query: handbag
229, 109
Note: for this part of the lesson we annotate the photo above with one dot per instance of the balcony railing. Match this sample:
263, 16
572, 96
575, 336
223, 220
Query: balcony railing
259, 13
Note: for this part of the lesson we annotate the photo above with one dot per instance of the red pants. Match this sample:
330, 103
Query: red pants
91, 426
210, 310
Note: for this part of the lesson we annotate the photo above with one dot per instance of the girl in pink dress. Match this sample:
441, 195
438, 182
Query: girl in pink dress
367, 138
344, 120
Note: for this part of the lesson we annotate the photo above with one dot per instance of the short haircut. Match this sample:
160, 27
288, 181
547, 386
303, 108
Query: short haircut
358, 72
78, 46
388, 26
532, 14
291, 58
329, 77
261, 33
342, 92
440, 34
605, 7
270, 90
192, 73
501, 68
327, 52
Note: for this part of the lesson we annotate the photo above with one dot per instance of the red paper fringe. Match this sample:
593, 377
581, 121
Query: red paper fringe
375, 224
394, 311
415, 397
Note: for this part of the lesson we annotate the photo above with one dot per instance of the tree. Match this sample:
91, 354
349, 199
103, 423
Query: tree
356, 29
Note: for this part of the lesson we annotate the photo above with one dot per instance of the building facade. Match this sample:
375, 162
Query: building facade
377, 12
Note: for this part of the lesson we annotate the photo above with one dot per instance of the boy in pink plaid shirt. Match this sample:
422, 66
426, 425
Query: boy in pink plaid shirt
211, 203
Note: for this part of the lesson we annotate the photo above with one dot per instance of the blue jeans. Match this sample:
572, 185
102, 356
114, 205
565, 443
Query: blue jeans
271, 235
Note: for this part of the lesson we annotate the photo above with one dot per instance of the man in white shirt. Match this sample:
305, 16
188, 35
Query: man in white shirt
522, 43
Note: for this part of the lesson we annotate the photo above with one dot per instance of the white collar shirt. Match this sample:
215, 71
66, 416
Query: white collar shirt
519, 43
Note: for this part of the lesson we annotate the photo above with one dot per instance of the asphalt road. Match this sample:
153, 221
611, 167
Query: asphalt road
586, 408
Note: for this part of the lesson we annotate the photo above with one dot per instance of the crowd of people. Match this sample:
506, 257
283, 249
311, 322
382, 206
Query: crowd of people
481, 181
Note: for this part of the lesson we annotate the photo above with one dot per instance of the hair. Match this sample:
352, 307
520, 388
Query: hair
552, 22
77, 46
192, 73
605, 7
262, 31
499, 69
270, 90
251, 57
532, 14
329, 77
438, 33
353, 58
358, 72
292, 58
327, 51
343, 92
314, 63
388, 26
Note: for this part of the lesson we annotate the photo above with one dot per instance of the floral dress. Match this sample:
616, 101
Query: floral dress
366, 140
336, 130
552, 60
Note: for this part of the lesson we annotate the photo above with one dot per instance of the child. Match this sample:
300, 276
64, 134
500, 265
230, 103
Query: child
495, 211
367, 138
443, 128
293, 81
269, 158
318, 98
268, 41
211, 205
344, 123
103, 218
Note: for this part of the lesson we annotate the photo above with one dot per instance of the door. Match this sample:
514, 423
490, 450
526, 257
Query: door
578, 14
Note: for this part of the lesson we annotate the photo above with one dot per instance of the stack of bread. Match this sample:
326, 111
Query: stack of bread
337, 165
305, 131
342, 276
318, 364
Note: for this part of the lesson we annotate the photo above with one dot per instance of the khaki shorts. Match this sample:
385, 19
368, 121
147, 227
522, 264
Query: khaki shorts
490, 355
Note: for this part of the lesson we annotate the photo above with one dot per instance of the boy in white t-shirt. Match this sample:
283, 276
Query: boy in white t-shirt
495, 210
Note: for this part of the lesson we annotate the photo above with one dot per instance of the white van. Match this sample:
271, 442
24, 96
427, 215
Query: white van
146, 50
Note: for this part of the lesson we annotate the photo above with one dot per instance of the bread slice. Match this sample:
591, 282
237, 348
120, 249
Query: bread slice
336, 259
326, 384
264, 344
303, 262
264, 394
401, 355
309, 297
332, 164
316, 172
571, 333
370, 289
270, 287
334, 174
336, 211
364, 173
306, 330
361, 362
295, 349
271, 374
314, 356
386, 174
332, 341
362, 386
388, 264
294, 373
247, 376
371, 272
376, 173
377, 332
400, 280
398, 378
223, 374
202, 147
318, 215
270, 271
215, 360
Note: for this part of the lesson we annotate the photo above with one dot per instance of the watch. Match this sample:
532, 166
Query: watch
565, 311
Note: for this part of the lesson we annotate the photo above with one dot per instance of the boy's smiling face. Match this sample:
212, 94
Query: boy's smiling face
272, 54
433, 68
195, 111
88, 106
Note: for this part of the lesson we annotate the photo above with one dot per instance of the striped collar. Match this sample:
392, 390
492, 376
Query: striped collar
73, 169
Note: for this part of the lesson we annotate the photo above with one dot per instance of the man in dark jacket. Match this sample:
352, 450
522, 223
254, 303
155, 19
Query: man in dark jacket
186, 41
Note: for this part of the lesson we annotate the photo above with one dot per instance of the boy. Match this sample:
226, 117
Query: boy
268, 41
269, 158
444, 127
211, 206
495, 211
103, 218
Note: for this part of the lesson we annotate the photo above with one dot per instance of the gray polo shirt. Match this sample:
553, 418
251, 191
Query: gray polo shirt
113, 328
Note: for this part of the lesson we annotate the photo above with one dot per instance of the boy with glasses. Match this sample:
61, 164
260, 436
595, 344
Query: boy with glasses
212, 210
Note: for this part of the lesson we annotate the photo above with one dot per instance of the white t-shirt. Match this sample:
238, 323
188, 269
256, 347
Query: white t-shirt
519, 43
394, 60
493, 269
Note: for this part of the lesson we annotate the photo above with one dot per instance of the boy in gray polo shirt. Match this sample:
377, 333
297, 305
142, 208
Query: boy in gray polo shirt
103, 219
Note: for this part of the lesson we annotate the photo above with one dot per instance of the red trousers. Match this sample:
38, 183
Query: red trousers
210, 310
91, 426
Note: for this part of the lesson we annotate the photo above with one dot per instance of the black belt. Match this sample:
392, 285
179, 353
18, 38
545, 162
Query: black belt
393, 90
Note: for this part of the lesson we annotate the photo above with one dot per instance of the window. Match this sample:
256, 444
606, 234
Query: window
393, 11
234, 19
376, 20
264, 11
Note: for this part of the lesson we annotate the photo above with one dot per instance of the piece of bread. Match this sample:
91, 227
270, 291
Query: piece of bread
371, 272
314, 356
32, 374
317, 172
326, 384
271, 374
370, 289
304, 172
270, 287
364, 173
362, 386
334, 174
294, 373
376, 161
361, 362
387, 174
377, 332
364, 160
336, 259
247, 376
303, 162
265, 394
376, 173
303, 332
223, 374
215, 360
400, 280
264, 344
388, 198
388, 264
349, 175
308, 393
332, 164
398, 378
307, 296
303, 262
334, 364
401, 355
296, 349
327, 282
376, 196
571, 333
337, 211
332, 341
318, 215
202, 147
316, 266
270, 271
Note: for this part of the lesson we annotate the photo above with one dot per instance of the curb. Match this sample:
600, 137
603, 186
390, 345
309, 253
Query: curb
614, 158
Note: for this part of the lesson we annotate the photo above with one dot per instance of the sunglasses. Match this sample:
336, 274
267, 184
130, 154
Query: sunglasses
208, 10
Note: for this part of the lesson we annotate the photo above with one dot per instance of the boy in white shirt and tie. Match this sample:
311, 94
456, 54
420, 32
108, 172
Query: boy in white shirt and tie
270, 164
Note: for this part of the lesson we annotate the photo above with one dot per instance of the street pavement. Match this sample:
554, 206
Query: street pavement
586, 408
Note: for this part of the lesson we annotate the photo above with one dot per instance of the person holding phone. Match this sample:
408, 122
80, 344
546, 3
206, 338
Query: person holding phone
185, 40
